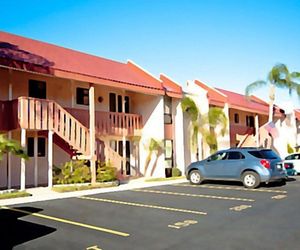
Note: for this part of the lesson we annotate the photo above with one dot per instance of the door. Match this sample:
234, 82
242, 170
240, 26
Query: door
37, 89
233, 165
213, 166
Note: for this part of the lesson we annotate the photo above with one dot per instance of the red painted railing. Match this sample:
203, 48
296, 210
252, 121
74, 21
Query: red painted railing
8, 115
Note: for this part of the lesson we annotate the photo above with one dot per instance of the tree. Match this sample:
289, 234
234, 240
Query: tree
11, 146
156, 147
214, 118
206, 124
278, 77
190, 108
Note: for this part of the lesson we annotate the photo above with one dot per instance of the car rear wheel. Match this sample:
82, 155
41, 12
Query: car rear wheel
251, 179
195, 177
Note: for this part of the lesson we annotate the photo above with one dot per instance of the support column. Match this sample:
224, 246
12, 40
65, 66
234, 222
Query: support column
10, 96
257, 130
9, 164
123, 136
50, 157
92, 133
36, 159
23, 164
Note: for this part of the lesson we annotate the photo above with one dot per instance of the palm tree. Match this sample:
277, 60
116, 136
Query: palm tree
215, 118
206, 124
12, 146
156, 147
279, 77
190, 108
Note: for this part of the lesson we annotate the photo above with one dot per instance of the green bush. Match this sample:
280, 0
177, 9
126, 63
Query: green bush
176, 172
290, 150
106, 172
75, 171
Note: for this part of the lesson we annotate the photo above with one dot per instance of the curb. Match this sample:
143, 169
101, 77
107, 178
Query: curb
44, 194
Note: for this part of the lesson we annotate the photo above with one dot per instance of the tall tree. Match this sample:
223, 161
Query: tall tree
215, 118
206, 124
278, 77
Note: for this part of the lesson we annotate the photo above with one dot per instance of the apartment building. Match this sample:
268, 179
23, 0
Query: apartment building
62, 104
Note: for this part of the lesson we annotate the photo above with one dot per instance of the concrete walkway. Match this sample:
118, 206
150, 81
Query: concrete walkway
45, 193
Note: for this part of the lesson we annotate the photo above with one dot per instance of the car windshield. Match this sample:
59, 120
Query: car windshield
264, 154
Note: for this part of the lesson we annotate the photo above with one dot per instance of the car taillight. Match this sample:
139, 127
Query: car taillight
265, 163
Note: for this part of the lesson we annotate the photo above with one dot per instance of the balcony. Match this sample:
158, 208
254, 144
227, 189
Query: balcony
111, 123
8, 115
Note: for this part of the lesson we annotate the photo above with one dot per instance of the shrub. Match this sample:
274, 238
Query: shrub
72, 172
176, 172
106, 172
290, 150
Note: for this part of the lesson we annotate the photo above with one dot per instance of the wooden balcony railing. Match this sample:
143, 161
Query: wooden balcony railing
111, 123
40, 114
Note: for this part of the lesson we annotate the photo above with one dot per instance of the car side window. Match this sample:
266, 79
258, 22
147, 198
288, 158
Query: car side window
218, 156
235, 155
297, 156
288, 157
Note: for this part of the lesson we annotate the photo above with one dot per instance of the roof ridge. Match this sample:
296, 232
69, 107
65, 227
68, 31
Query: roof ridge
61, 47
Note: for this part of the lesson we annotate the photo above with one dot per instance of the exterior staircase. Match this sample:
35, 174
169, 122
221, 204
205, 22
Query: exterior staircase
40, 114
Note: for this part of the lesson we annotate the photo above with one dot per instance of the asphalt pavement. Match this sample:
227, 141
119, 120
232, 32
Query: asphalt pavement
215, 215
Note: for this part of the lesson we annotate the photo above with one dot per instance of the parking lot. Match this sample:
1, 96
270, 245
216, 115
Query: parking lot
215, 215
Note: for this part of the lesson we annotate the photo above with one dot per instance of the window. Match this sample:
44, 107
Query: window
169, 153
250, 121
235, 156
82, 96
168, 110
37, 89
112, 102
236, 118
120, 104
30, 146
126, 99
116, 103
218, 156
264, 154
41, 146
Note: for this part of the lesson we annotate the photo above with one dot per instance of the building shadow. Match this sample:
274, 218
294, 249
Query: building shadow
15, 231
12, 56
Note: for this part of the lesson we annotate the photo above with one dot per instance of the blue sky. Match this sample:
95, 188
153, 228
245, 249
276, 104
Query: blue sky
225, 43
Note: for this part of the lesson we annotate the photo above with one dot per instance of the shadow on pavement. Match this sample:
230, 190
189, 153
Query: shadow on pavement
15, 231
240, 184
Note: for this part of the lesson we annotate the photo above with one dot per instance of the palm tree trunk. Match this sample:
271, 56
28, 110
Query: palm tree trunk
271, 102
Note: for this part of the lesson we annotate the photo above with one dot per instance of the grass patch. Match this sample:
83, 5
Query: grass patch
15, 194
76, 187
165, 179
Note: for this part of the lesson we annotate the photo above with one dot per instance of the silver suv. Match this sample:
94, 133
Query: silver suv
251, 166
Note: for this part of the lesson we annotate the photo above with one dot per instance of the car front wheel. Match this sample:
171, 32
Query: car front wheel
195, 177
251, 179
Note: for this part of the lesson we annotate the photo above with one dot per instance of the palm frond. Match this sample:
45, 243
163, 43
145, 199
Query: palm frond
189, 107
255, 85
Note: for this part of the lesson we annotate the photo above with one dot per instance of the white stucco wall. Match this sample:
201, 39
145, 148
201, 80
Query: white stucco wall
199, 96
152, 110
179, 145
287, 134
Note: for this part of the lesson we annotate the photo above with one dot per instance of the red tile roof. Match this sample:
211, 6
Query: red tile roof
251, 104
172, 89
215, 97
63, 62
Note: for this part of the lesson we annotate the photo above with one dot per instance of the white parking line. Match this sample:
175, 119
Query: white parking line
232, 188
193, 195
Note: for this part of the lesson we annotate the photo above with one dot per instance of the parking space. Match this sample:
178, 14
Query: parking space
180, 216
